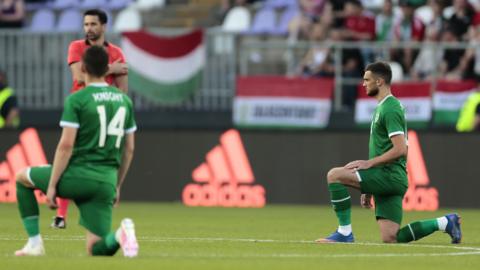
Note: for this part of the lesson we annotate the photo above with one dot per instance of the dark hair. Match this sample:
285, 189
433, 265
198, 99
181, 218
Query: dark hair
382, 70
95, 60
102, 16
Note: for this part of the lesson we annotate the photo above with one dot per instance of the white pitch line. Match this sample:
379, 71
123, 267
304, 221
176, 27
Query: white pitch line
467, 250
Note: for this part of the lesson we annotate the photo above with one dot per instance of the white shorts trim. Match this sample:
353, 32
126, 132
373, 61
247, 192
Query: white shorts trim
358, 176
28, 176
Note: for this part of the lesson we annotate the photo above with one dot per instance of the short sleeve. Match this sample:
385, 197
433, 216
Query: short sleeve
70, 113
74, 53
121, 56
395, 123
130, 124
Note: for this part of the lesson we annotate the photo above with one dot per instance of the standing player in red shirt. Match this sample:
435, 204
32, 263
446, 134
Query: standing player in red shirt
94, 26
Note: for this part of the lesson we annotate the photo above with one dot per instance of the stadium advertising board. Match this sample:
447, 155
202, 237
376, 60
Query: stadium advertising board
275, 101
251, 168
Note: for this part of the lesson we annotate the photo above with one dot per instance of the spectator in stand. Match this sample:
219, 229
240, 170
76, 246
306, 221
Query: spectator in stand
385, 21
469, 65
438, 22
461, 19
338, 7
430, 57
357, 26
315, 62
451, 67
408, 29
12, 13
352, 68
312, 13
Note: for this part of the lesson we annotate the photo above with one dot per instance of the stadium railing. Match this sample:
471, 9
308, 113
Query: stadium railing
37, 67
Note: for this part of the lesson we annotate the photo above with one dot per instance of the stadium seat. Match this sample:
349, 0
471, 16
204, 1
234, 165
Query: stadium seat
287, 16
238, 19
118, 4
448, 12
70, 20
373, 4
281, 3
64, 4
91, 4
264, 22
397, 72
149, 4
128, 19
43, 20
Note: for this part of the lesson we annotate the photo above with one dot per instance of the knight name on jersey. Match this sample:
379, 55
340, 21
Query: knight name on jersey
107, 96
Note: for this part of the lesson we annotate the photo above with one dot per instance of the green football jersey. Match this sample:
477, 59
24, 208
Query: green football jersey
103, 115
388, 120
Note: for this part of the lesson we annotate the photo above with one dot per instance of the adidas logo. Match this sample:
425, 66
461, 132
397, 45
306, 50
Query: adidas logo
419, 197
226, 178
28, 152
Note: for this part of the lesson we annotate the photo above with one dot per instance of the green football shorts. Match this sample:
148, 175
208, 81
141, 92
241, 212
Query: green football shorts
94, 199
388, 190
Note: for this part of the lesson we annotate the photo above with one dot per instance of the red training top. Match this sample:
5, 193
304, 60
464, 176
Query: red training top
75, 53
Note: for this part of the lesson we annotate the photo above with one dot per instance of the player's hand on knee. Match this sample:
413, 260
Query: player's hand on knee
52, 198
366, 201
116, 201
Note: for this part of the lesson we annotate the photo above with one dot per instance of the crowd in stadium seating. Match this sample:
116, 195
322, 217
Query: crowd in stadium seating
453, 21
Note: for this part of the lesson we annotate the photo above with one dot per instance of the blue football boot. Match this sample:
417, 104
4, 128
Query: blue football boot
453, 228
337, 237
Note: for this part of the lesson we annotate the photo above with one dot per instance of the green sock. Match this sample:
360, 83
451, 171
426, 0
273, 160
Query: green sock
108, 246
341, 202
28, 207
417, 230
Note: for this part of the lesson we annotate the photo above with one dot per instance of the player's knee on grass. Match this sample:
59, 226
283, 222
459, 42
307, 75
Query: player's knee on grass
22, 178
389, 238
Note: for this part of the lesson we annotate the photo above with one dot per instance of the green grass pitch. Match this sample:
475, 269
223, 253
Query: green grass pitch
172, 236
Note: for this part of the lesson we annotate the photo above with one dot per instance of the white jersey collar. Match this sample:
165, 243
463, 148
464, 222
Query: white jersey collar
98, 84
383, 100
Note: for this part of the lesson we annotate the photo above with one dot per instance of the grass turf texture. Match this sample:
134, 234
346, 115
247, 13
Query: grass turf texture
172, 236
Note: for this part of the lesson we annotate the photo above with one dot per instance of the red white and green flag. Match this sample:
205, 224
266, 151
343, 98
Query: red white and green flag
415, 97
448, 100
164, 69
277, 101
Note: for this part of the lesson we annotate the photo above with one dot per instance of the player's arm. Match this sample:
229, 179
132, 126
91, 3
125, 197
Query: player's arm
60, 162
399, 149
127, 157
121, 81
77, 73
12, 115
118, 67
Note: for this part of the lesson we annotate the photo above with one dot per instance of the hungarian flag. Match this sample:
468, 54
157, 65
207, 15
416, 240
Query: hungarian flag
164, 69
415, 97
448, 100
277, 101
